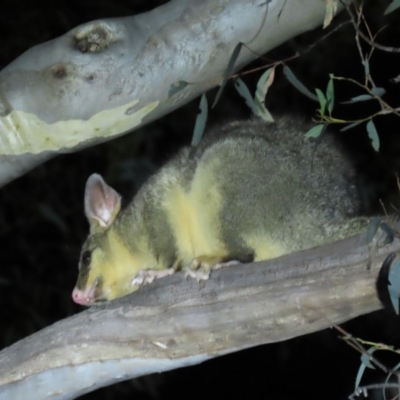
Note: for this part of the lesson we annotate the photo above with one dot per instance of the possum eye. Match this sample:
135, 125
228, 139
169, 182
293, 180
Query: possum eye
86, 258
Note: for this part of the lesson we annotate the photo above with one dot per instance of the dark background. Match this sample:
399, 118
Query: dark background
42, 225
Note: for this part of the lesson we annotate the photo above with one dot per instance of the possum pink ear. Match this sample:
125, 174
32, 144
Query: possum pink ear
102, 203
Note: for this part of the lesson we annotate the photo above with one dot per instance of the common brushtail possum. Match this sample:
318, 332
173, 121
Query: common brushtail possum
249, 191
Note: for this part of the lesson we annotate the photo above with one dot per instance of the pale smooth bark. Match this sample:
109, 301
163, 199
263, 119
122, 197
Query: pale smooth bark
107, 77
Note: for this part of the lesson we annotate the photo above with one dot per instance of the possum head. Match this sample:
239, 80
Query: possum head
102, 267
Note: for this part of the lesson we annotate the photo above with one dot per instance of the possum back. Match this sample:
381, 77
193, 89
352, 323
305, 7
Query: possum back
279, 191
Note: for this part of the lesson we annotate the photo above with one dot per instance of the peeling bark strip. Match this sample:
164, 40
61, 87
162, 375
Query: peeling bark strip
107, 77
173, 322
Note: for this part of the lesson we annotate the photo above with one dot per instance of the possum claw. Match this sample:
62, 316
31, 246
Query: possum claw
201, 267
146, 276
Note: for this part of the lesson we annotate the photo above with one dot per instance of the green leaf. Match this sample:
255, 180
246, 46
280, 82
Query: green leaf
366, 66
373, 135
262, 112
330, 96
394, 5
350, 126
315, 131
394, 287
290, 76
365, 363
378, 91
365, 359
362, 97
201, 120
263, 85
330, 11
244, 91
322, 101
228, 72
176, 87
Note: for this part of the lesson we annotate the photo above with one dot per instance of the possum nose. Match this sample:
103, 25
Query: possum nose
81, 297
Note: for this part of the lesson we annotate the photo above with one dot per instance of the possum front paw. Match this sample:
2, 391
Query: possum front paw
200, 267
145, 276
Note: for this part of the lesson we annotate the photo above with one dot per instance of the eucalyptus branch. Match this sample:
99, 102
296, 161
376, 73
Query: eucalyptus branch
371, 42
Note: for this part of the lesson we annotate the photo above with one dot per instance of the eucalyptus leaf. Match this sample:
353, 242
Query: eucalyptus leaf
365, 363
378, 91
366, 66
322, 101
350, 126
362, 97
228, 72
315, 131
366, 359
394, 5
201, 120
290, 76
263, 85
330, 11
373, 135
394, 287
330, 96
244, 91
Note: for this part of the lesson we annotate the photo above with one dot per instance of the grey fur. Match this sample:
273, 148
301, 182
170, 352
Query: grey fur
272, 178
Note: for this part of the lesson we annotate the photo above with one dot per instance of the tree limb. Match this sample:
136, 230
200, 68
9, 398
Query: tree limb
173, 323
107, 77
